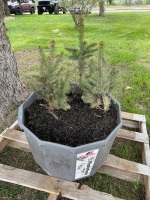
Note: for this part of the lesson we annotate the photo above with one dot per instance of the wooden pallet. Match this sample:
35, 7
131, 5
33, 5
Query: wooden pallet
114, 166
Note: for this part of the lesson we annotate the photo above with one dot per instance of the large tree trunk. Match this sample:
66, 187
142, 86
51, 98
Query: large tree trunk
11, 90
7, 12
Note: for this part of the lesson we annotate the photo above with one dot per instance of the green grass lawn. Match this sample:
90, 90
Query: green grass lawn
126, 37
127, 43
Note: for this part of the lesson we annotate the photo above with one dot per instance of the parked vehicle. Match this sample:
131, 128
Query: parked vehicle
20, 7
51, 6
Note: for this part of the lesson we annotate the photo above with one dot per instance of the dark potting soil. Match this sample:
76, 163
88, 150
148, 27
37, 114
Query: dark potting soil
79, 125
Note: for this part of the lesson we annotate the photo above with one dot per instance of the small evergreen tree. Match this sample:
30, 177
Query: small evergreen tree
99, 82
83, 52
96, 79
50, 82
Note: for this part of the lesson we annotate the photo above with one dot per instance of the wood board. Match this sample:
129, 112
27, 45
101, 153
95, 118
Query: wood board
114, 166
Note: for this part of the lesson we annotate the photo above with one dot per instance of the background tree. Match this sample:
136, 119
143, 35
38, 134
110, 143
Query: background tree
128, 2
102, 8
79, 7
7, 12
11, 89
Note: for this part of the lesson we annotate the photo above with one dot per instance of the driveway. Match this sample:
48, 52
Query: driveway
124, 9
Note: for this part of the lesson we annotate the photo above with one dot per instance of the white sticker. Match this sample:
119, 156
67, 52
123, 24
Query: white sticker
85, 162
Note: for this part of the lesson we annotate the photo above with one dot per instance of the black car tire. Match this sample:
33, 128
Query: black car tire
56, 10
32, 11
64, 10
50, 12
18, 12
40, 12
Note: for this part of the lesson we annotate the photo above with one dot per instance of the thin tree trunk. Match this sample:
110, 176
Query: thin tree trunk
101, 8
11, 90
7, 12
75, 18
110, 2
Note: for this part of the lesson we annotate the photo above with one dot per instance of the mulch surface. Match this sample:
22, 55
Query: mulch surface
77, 126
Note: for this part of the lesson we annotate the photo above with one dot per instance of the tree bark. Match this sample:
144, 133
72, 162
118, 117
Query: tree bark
110, 2
6, 9
11, 89
102, 8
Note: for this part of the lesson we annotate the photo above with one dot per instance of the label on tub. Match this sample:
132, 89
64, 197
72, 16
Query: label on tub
85, 162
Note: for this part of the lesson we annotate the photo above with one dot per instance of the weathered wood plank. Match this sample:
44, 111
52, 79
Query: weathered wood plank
3, 141
147, 188
17, 139
29, 179
19, 136
128, 176
146, 178
134, 117
112, 161
50, 184
15, 135
52, 197
146, 160
114, 166
131, 135
146, 154
20, 146
126, 165
14, 125
85, 193
130, 124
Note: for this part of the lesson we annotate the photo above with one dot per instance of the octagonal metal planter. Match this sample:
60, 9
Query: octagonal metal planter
70, 163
